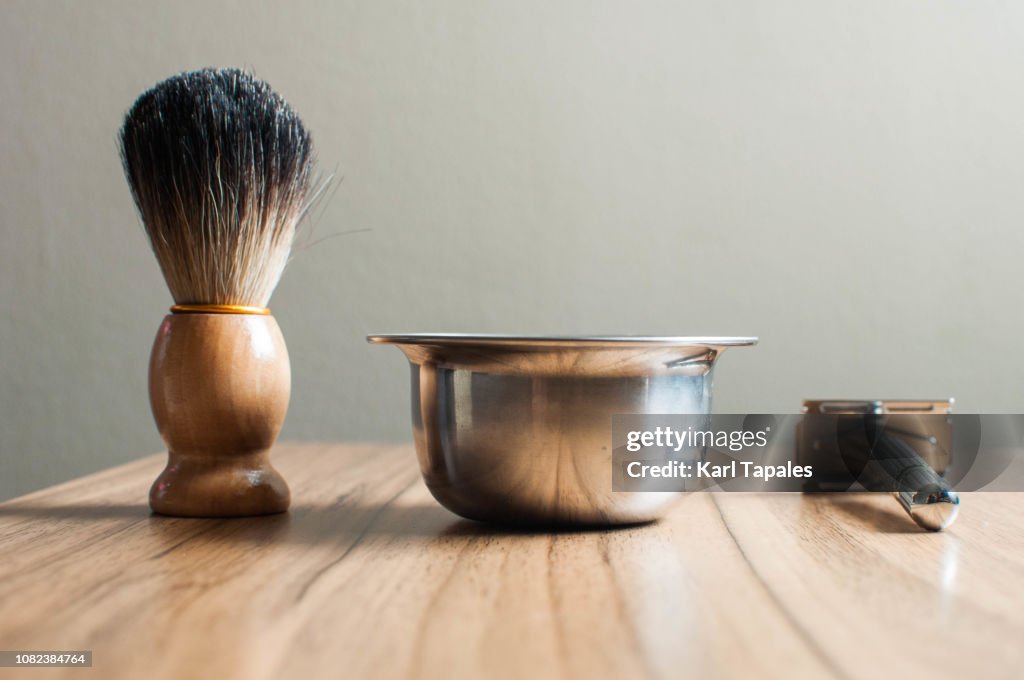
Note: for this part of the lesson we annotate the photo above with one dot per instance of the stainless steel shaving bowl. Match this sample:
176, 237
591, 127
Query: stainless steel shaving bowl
518, 430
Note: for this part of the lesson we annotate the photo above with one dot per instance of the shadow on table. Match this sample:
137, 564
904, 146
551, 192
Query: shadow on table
73, 512
344, 521
881, 514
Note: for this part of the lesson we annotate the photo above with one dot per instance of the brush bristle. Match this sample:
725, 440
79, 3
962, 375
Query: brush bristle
221, 170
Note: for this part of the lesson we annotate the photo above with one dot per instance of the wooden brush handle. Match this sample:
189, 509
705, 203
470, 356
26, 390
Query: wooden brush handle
219, 386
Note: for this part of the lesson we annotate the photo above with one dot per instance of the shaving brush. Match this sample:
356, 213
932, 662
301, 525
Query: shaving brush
221, 169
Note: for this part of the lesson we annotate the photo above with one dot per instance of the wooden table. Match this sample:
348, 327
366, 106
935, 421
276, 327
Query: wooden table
367, 577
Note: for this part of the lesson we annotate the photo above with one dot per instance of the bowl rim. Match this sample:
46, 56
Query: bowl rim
499, 340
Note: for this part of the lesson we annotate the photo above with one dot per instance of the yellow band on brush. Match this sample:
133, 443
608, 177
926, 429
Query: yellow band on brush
218, 309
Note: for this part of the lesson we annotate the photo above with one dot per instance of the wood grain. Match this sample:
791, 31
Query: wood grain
367, 577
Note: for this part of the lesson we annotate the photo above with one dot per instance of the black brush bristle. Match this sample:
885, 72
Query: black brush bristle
221, 169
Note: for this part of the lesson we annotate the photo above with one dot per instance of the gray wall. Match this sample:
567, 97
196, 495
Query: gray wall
841, 178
